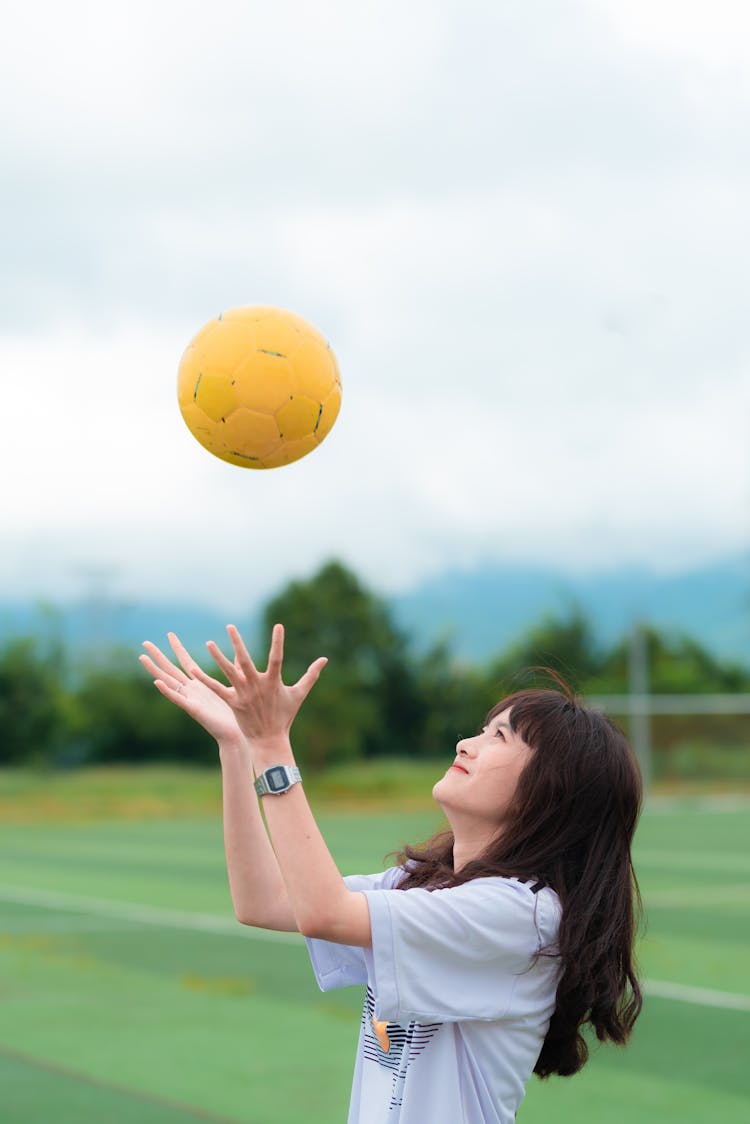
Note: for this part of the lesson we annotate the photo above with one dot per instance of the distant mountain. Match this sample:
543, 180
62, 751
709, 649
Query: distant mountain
92, 626
481, 610
478, 611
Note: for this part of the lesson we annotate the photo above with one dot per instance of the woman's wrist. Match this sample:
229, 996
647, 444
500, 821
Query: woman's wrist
232, 746
267, 752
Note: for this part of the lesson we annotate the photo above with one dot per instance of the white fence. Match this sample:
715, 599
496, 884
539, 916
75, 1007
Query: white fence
640, 708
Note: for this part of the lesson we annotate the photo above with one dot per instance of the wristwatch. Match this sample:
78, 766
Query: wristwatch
277, 780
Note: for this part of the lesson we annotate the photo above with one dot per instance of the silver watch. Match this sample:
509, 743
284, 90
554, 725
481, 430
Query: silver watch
277, 779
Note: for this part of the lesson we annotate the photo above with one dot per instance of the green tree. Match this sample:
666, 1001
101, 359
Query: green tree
32, 701
120, 716
456, 697
367, 701
566, 644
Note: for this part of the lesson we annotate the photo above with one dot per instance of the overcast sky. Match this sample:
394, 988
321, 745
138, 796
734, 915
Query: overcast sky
523, 226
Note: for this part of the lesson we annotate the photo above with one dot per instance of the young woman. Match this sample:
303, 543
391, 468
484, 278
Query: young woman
516, 927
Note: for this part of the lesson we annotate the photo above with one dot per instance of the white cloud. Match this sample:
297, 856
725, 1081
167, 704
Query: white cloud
715, 33
522, 227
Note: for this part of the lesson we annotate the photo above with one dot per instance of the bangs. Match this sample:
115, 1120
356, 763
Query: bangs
536, 716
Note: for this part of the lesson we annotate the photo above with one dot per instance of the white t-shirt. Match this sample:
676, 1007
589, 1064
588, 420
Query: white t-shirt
457, 1002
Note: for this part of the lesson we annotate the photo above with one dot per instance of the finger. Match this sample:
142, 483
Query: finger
159, 673
224, 692
162, 661
226, 665
186, 661
276, 651
244, 660
304, 685
174, 694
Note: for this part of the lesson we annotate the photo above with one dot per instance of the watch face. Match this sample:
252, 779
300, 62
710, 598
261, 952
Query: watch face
276, 779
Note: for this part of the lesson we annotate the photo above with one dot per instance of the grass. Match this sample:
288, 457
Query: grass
159, 1017
178, 792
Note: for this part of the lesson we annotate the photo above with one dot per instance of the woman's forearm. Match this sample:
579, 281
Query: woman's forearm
319, 899
257, 887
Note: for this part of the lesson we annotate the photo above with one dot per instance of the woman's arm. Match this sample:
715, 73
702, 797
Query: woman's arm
322, 904
265, 709
258, 892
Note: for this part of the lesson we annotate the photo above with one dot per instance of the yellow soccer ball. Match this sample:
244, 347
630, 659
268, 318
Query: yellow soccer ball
259, 387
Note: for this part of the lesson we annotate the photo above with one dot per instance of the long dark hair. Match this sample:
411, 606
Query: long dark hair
575, 811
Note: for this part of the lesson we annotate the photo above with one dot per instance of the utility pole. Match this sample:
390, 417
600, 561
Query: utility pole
639, 700
99, 610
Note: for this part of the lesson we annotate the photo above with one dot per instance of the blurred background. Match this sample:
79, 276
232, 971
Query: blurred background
523, 229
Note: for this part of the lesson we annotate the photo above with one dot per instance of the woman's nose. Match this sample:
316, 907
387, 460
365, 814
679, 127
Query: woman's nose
466, 747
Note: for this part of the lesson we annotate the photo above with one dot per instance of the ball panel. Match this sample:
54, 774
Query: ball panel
315, 368
226, 343
188, 374
240, 461
331, 407
278, 335
201, 427
264, 382
302, 326
249, 312
290, 451
298, 418
249, 435
214, 394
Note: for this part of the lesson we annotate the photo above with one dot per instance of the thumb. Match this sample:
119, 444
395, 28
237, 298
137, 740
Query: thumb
311, 676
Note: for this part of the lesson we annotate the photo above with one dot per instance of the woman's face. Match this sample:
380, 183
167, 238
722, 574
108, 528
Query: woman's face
481, 783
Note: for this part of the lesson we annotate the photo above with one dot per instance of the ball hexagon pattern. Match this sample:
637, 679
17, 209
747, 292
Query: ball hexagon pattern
259, 387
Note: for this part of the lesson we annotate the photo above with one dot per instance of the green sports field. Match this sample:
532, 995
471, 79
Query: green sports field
128, 993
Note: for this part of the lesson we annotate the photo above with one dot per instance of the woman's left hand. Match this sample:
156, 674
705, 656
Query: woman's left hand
181, 686
263, 704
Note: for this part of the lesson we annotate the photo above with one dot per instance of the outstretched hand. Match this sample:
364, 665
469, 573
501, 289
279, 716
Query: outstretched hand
182, 687
263, 705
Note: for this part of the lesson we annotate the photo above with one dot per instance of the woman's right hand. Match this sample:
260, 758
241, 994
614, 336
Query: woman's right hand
188, 693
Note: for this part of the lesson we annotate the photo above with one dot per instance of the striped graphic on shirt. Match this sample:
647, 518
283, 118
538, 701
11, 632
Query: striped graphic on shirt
393, 1046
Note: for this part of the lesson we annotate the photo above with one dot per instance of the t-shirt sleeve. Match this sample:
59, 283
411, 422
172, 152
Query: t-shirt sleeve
341, 965
455, 954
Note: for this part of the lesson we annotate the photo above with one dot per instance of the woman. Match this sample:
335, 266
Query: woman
517, 925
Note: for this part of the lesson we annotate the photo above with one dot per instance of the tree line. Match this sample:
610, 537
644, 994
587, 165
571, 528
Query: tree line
380, 695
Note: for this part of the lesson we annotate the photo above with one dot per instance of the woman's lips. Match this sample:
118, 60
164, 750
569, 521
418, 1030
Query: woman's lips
460, 769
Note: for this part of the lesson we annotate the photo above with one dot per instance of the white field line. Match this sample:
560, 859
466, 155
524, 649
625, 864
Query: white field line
143, 914
702, 996
206, 922
64, 924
